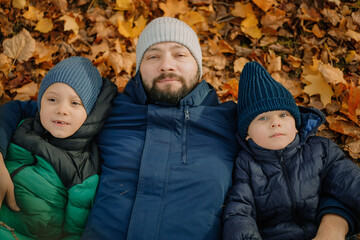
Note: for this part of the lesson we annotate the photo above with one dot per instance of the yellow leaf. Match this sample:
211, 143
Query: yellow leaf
173, 7
317, 31
45, 25
20, 47
242, 10
192, 18
70, 24
315, 84
125, 27
131, 29
33, 14
265, 5
20, 4
249, 26
25, 92
331, 74
352, 56
123, 5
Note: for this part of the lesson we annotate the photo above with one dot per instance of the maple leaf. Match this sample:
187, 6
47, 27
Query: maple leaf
20, 4
343, 126
316, 83
265, 5
331, 74
45, 25
119, 62
192, 18
70, 24
26, 92
20, 47
127, 28
173, 7
249, 26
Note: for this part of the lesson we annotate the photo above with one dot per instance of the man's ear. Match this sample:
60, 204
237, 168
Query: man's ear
247, 137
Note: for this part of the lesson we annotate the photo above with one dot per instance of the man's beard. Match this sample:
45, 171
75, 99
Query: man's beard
165, 95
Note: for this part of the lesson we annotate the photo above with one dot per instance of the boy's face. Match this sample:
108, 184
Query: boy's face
169, 72
273, 130
62, 112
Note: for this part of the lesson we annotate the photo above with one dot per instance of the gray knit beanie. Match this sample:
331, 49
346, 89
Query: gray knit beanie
167, 29
259, 93
80, 74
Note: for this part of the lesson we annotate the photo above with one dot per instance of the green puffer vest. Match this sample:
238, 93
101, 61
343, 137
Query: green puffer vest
55, 179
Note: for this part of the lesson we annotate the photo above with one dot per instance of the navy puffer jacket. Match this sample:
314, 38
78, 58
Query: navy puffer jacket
166, 169
276, 193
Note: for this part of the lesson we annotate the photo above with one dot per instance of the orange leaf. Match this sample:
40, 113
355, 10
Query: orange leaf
249, 26
232, 87
242, 10
33, 14
26, 92
192, 18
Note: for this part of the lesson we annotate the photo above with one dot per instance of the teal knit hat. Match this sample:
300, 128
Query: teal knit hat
259, 93
168, 29
80, 74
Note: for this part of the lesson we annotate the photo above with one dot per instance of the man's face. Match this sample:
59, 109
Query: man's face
62, 112
273, 130
169, 72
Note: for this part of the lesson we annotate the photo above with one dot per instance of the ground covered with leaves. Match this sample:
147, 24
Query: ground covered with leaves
312, 47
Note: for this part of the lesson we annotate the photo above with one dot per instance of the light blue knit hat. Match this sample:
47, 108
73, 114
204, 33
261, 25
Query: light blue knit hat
80, 74
259, 93
168, 29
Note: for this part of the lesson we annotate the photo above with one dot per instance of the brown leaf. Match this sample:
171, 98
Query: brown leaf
343, 126
26, 92
20, 47
5, 64
265, 5
242, 10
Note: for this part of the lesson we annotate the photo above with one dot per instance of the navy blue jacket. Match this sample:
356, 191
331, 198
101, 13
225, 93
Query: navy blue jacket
276, 193
166, 169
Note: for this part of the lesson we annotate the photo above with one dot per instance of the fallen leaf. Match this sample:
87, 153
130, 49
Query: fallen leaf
274, 62
5, 64
20, 4
62, 5
239, 64
295, 62
123, 5
265, 5
352, 56
232, 87
352, 34
343, 126
26, 92
33, 14
274, 19
173, 7
70, 24
119, 62
45, 25
192, 18
130, 29
317, 31
20, 47
242, 10
218, 61
315, 83
331, 74
249, 26
43, 53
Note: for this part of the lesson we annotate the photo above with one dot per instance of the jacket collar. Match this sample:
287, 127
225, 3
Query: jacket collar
134, 88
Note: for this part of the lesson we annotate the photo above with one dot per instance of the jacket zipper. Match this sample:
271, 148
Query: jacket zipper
186, 118
16, 171
292, 196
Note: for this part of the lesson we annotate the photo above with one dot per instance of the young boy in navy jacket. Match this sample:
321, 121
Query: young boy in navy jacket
282, 167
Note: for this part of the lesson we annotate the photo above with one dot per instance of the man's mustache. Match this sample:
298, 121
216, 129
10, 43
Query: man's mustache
168, 75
